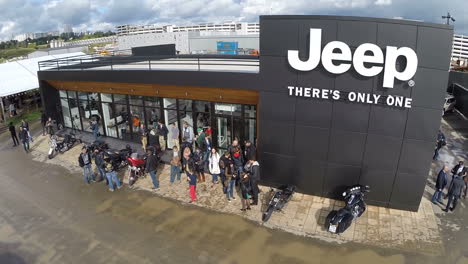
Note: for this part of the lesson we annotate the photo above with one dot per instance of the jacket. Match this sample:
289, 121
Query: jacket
200, 140
81, 161
245, 187
24, 136
250, 153
214, 163
99, 159
255, 171
25, 124
229, 173
441, 180
456, 186
206, 146
161, 130
192, 178
12, 129
239, 160
455, 169
198, 159
187, 132
175, 161
224, 162
151, 163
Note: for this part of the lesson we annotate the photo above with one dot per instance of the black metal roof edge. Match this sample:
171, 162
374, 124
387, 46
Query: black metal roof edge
356, 18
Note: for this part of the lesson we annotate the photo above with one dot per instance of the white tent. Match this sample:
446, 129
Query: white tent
20, 76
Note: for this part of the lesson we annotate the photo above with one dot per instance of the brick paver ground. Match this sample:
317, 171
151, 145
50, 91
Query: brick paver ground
304, 215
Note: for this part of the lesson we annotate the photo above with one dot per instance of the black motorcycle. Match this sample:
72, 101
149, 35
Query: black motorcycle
278, 200
69, 140
118, 159
338, 221
97, 145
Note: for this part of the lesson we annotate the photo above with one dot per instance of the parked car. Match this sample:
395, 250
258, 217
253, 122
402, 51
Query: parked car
449, 104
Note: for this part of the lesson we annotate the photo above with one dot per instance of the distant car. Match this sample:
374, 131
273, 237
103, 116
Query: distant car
449, 104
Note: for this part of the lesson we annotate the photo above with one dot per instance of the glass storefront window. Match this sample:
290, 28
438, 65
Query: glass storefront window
83, 95
136, 100
187, 117
105, 97
170, 118
75, 113
72, 94
250, 111
185, 105
120, 99
152, 101
109, 116
66, 113
122, 121
85, 114
203, 120
170, 103
63, 94
228, 109
250, 131
202, 106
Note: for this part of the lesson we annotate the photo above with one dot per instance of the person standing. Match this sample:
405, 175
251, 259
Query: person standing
24, 124
100, 164
175, 136
224, 162
12, 109
192, 179
459, 168
230, 181
12, 129
175, 165
84, 160
250, 152
162, 133
24, 136
238, 161
454, 192
440, 143
143, 137
200, 137
213, 165
207, 145
187, 133
199, 165
186, 159
112, 178
254, 179
246, 190
151, 167
50, 126
43, 123
441, 182
95, 129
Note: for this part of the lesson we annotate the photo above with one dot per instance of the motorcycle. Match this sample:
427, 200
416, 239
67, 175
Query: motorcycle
278, 200
338, 221
97, 145
52, 146
118, 159
136, 168
67, 143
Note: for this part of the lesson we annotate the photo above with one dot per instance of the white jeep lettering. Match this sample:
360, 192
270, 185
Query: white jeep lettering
336, 61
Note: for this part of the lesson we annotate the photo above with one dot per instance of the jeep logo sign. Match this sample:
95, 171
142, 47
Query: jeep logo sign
340, 53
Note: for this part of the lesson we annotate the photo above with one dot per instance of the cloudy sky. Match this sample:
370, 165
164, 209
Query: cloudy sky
20, 16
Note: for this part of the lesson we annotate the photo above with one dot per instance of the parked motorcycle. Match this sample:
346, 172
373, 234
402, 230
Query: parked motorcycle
52, 146
67, 143
97, 145
338, 221
136, 167
118, 159
278, 200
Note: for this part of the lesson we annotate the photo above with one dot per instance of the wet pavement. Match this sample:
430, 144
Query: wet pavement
48, 215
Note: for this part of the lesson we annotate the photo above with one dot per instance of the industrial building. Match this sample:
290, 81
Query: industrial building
241, 28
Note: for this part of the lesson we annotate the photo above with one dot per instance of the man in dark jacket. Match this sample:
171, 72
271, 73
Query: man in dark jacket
442, 180
12, 129
439, 144
162, 131
100, 164
250, 152
151, 166
254, 168
24, 137
454, 192
224, 162
85, 162
459, 168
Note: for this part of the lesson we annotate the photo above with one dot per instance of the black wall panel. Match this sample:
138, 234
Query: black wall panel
320, 145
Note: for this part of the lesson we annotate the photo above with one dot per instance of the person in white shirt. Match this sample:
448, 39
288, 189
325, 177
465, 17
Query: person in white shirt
214, 165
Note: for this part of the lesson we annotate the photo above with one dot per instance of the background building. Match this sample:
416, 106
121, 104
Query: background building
460, 50
242, 28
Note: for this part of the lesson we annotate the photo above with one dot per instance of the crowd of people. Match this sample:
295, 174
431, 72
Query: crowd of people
235, 169
458, 186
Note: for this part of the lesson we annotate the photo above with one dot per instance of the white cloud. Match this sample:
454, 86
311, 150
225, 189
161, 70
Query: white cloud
383, 2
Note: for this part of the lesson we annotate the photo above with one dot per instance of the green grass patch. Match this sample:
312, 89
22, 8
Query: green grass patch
29, 117
12, 53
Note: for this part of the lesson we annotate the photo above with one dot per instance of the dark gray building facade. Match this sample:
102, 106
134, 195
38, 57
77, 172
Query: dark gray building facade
324, 144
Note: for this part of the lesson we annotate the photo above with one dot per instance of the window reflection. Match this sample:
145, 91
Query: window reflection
66, 113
